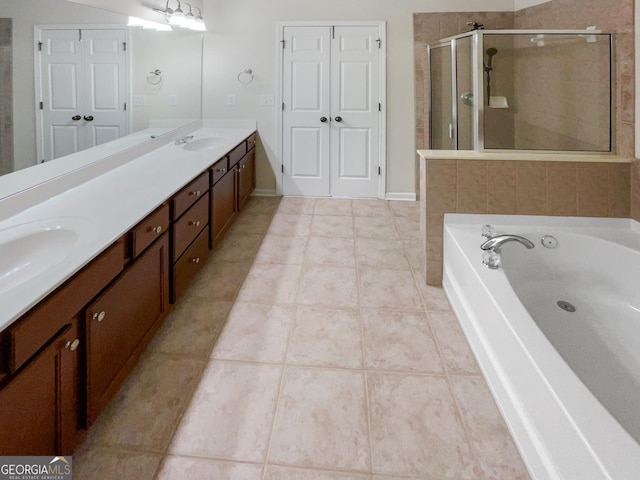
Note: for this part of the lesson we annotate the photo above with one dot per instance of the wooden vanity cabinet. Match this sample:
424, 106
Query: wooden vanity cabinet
246, 177
39, 414
223, 200
122, 320
42, 399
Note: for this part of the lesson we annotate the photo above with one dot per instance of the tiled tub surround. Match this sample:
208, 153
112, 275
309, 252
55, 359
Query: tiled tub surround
516, 183
319, 354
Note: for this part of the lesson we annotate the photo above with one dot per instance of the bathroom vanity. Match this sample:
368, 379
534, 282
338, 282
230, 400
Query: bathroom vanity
66, 352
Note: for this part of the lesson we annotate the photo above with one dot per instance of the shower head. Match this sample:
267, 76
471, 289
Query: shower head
491, 52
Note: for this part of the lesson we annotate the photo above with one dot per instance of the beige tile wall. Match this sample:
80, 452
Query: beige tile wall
6, 98
518, 188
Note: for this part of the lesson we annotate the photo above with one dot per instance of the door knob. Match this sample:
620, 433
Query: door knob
88, 118
338, 119
76, 117
323, 119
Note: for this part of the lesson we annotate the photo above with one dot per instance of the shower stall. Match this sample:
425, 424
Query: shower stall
522, 90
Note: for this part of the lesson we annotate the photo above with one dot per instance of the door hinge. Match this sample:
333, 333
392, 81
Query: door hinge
79, 35
379, 170
39, 46
282, 168
41, 105
333, 31
283, 42
283, 106
379, 107
379, 40
125, 106
124, 46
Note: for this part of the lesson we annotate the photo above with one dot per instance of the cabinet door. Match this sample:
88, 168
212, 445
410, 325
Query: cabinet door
39, 414
246, 177
223, 204
121, 321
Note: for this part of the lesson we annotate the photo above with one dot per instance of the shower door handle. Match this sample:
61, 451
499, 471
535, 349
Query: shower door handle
451, 131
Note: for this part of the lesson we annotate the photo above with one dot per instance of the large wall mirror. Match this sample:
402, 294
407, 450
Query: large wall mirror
162, 81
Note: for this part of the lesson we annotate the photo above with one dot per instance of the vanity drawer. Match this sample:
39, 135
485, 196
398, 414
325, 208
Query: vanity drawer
189, 194
190, 263
219, 169
149, 229
43, 322
251, 142
190, 225
236, 154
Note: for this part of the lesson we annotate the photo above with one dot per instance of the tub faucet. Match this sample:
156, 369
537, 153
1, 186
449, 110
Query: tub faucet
491, 249
495, 243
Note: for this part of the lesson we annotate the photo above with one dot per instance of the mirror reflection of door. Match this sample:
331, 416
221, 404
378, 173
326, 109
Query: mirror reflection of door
81, 89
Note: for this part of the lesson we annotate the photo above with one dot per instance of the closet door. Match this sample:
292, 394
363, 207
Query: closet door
105, 85
82, 89
306, 125
355, 96
62, 92
332, 112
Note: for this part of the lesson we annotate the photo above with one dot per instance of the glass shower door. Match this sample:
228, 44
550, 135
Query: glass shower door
442, 122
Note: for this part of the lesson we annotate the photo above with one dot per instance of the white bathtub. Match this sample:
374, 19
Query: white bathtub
568, 383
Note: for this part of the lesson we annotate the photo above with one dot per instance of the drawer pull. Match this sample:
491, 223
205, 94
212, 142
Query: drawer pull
195, 223
195, 260
157, 229
72, 345
99, 316
196, 193
221, 170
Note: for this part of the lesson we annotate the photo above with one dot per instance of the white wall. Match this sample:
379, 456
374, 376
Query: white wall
242, 34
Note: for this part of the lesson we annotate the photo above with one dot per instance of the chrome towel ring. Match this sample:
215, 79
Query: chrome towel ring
246, 76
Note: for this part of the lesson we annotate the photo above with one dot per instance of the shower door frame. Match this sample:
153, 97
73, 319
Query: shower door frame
478, 86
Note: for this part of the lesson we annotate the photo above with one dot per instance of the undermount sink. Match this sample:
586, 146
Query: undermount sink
29, 249
201, 144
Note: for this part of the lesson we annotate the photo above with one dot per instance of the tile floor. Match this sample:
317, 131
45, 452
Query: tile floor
308, 348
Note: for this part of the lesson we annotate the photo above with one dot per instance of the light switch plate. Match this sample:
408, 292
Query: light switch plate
231, 99
173, 100
139, 100
267, 100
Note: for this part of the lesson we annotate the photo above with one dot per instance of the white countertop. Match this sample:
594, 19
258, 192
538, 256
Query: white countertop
106, 206
515, 155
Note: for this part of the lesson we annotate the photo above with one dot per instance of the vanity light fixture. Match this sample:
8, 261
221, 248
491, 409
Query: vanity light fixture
178, 18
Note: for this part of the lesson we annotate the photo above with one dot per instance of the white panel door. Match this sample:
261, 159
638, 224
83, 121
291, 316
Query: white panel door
355, 96
306, 125
62, 93
83, 89
105, 81
331, 119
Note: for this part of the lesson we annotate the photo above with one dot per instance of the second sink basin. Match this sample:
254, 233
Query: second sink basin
29, 249
202, 144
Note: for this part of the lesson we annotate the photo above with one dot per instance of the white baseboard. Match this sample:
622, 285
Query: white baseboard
407, 197
264, 192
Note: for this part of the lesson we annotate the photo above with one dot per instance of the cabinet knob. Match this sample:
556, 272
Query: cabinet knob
195, 223
99, 316
195, 260
196, 193
338, 119
157, 229
221, 170
72, 345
